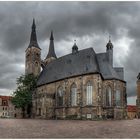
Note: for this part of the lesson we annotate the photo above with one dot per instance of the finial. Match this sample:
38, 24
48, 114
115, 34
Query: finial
109, 38
51, 37
75, 42
34, 20
75, 47
109, 44
33, 25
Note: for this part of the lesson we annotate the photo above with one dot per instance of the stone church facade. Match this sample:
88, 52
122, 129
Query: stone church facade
80, 85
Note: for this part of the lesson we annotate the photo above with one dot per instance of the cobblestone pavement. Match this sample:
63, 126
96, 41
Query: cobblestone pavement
35, 128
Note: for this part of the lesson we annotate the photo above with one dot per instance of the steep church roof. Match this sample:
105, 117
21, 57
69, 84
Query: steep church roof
83, 62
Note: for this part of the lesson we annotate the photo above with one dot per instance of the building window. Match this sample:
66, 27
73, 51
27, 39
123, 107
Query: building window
118, 98
60, 96
73, 95
108, 97
4, 103
89, 93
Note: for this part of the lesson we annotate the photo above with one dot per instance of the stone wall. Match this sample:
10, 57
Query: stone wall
33, 61
45, 99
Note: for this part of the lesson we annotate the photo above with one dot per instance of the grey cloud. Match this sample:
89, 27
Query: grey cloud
67, 19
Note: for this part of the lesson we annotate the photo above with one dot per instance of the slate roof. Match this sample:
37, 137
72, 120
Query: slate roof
83, 62
107, 71
79, 63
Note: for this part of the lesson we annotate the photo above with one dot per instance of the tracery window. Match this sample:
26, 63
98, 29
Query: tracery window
108, 97
60, 96
89, 93
118, 98
73, 95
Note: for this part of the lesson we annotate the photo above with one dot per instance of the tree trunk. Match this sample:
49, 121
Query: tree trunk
23, 112
29, 111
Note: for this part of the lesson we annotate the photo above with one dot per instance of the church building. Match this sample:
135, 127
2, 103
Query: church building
80, 85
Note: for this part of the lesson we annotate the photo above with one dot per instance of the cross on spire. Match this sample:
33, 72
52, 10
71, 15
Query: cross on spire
109, 38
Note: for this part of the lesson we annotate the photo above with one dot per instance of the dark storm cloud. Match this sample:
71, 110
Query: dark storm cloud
68, 20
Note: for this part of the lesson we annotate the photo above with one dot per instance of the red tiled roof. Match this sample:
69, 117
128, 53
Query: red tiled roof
5, 97
131, 108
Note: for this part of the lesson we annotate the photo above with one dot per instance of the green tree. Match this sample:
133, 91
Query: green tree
22, 96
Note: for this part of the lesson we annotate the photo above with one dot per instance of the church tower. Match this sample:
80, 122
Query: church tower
33, 54
51, 54
109, 50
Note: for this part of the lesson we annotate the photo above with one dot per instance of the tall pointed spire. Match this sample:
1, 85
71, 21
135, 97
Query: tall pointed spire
33, 25
33, 37
51, 37
51, 52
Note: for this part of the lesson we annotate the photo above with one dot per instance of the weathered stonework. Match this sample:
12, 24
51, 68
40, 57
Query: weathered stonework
46, 99
33, 61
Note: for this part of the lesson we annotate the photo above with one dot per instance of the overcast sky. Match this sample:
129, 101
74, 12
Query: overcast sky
90, 23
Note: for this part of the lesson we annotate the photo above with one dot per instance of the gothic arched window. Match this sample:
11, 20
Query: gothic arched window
60, 96
73, 95
108, 97
89, 93
118, 98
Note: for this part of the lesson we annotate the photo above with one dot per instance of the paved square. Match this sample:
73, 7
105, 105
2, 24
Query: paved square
35, 128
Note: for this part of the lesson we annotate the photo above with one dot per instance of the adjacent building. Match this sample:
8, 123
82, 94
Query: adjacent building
131, 111
80, 85
6, 107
